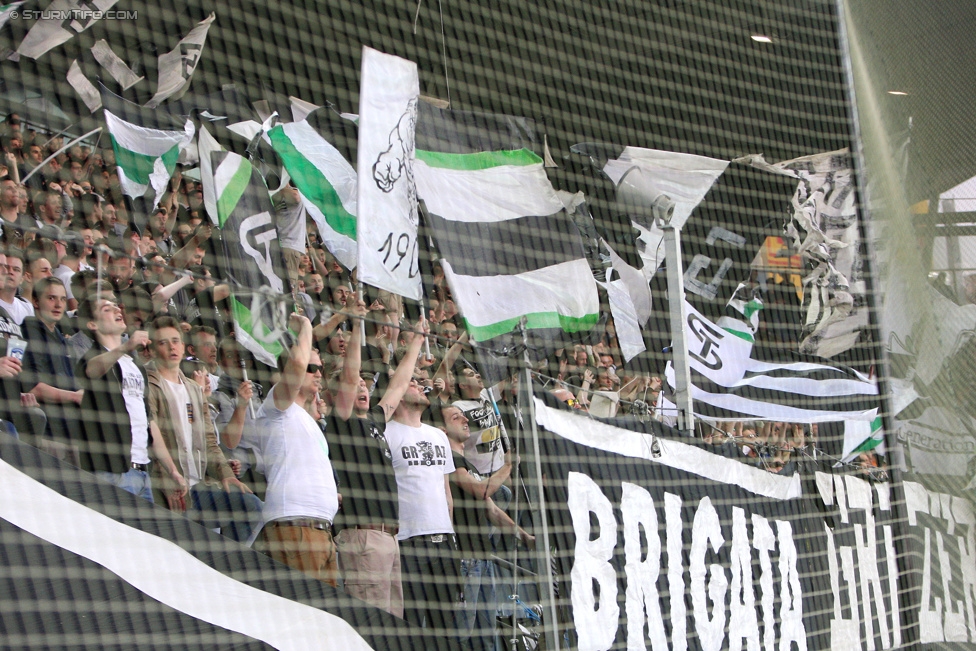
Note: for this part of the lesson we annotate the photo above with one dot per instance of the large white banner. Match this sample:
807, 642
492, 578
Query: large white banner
387, 196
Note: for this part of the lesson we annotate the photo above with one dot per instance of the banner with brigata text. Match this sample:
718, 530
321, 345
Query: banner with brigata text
667, 544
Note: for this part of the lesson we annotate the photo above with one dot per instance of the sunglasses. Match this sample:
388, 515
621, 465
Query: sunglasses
313, 368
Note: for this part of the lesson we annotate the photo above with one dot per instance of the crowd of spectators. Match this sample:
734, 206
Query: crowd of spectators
131, 369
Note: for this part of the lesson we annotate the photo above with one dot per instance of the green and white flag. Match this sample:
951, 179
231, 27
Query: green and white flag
6, 10
509, 249
146, 158
176, 66
326, 182
741, 316
861, 436
206, 146
252, 256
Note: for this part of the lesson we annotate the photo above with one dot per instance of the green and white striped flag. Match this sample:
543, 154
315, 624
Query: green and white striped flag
146, 157
252, 256
742, 314
509, 250
6, 10
861, 436
326, 181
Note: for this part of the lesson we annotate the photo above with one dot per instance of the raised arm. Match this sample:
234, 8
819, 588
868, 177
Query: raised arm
293, 376
404, 371
451, 356
345, 399
100, 365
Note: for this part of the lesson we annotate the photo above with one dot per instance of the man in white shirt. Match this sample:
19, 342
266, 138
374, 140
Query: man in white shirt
429, 562
302, 498
18, 308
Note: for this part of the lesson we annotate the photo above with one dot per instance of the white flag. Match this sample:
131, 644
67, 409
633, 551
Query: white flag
177, 66
48, 33
85, 89
115, 66
387, 196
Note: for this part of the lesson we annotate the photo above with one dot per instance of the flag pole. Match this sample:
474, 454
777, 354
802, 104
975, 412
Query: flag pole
550, 623
49, 158
679, 343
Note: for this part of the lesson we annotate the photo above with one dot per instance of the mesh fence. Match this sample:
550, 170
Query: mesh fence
452, 324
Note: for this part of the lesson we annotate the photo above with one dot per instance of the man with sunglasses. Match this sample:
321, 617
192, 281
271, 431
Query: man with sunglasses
301, 500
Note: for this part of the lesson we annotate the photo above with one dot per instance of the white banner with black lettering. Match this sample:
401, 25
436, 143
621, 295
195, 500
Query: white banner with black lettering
666, 544
387, 196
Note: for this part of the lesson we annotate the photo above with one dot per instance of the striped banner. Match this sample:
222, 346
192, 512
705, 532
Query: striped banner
509, 249
326, 181
727, 384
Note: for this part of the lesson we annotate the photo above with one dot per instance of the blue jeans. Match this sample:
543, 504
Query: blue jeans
236, 513
134, 481
476, 617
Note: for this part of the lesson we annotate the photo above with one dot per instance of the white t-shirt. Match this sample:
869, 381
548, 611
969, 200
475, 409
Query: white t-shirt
296, 462
134, 394
18, 310
64, 274
185, 429
421, 458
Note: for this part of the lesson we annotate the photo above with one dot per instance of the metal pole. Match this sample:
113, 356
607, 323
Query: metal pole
907, 563
679, 343
49, 158
550, 623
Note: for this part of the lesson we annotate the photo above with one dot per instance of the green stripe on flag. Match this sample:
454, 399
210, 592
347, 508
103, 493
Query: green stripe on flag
138, 167
242, 317
873, 441
741, 335
535, 321
233, 192
478, 161
313, 184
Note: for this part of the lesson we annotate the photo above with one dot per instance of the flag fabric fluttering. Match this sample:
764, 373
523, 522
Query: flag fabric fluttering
728, 384
327, 183
48, 33
146, 157
825, 234
387, 196
206, 146
652, 183
114, 65
253, 258
860, 437
85, 89
630, 303
176, 66
7, 10
509, 250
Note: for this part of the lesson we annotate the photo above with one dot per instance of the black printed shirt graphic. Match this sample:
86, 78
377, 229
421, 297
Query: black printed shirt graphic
486, 446
421, 459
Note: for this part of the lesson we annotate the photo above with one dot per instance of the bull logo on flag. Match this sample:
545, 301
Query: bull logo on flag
396, 161
709, 338
267, 311
259, 229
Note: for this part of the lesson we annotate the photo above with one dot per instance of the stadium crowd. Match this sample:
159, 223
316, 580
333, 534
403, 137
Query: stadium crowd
120, 357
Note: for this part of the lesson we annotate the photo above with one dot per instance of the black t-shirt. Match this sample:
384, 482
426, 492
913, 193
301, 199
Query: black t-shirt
470, 520
363, 461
